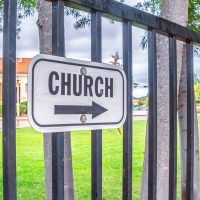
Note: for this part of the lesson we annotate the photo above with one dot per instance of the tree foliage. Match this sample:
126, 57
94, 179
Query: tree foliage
196, 79
153, 7
197, 88
25, 8
197, 92
150, 6
194, 15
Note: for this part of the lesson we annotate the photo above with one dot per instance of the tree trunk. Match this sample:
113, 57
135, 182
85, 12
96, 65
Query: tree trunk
176, 11
45, 36
68, 179
182, 110
45, 26
144, 188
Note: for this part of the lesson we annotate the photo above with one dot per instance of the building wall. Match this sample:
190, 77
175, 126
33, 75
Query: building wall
21, 87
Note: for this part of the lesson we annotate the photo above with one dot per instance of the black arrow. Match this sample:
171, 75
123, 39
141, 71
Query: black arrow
94, 110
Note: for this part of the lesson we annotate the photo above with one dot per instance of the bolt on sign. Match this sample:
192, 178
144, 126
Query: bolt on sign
67, 94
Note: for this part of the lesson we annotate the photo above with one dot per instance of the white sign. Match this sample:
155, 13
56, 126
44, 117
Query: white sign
67, 94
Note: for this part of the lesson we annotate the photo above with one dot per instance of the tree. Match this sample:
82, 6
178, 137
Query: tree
175, 11
25, 8
194, 15
45, 35
153, 7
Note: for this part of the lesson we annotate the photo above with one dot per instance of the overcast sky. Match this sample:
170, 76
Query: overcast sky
78, 43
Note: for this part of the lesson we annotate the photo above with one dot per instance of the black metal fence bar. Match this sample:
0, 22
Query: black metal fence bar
152, 125
124, 11
172, 117
57, 166
9, 100
58, 48
58, 38
190, 122
127, 129
96, 55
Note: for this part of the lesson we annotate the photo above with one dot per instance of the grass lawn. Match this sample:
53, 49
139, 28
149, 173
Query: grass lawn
30, 170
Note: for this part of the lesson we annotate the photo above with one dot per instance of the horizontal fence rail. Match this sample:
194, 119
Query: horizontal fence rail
123, 11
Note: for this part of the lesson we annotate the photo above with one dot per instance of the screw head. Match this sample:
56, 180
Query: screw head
83, 119
83, 71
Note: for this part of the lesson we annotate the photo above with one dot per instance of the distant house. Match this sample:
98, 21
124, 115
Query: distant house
21, 78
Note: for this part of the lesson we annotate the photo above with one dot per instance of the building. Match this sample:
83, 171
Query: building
21, 78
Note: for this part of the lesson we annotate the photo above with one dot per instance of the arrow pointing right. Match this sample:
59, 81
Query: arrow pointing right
95, 110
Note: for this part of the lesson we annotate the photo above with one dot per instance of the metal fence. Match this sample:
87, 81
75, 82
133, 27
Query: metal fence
128, 16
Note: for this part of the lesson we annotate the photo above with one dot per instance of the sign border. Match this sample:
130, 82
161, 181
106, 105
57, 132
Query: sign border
62, 60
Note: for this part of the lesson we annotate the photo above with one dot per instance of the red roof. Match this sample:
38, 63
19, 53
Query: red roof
21, 65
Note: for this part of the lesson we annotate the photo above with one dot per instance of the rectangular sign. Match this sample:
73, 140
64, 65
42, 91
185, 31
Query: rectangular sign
67, 94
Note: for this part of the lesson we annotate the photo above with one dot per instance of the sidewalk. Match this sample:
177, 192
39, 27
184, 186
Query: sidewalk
140, 115
21, 122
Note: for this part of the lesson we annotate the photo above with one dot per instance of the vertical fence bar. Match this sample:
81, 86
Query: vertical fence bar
58, 30
190, 122
172, 117
127, 129
9, 100
96, 55
57, 166
58, 48
152, 126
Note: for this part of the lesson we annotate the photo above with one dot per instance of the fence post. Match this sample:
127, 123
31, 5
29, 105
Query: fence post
127, 133
9, 100
152, 125
172, 117
58, 49
190, 122
96, 165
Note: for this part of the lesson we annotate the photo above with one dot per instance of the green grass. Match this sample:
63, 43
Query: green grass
30, 163
30, 179
30, 170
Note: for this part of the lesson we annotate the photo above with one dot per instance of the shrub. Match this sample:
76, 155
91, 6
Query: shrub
23, 108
